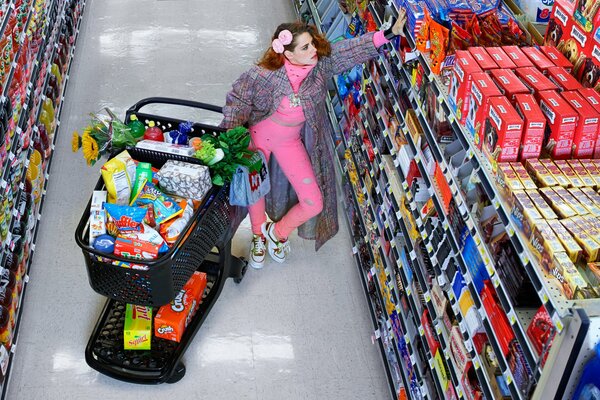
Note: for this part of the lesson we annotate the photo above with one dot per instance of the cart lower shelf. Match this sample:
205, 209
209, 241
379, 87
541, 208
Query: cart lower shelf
106, 354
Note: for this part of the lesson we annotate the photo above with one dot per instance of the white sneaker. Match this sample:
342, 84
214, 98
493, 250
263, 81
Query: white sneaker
257, 252
278, 249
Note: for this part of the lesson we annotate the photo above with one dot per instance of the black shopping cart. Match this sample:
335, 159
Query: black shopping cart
205, 245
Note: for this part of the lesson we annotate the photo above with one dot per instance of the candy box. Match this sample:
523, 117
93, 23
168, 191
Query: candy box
137, 332
508, 83
586, 132
535, 80
539, 60
172, 319
533, 127
459, 91
562, 121
503, 129
517, 56
481, 90
500, 58
563, 79
188, 180
557, 57
482, 58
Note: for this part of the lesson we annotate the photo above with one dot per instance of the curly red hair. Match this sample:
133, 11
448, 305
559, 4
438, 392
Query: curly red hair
273, 61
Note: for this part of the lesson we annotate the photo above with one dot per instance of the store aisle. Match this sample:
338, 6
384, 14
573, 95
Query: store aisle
299, 331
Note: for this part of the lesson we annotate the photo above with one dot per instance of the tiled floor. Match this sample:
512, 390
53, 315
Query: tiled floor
299, 331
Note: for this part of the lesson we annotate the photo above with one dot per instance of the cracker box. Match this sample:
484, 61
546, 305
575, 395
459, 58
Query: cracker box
545, 243
517, 56
508, 83
535, 80
557, 57
137, 332
582, 173
524, 177
542, 206
560, 207
586, 132
503, 129
539, 60
556, 173
508, 179
573, 249
562, 121
500, 58
541, 175
571, 201
481, 90
533, 127
593, 172
563, 79
593, 99
172, 319
523, 212
482, 57
589, 205
459, 91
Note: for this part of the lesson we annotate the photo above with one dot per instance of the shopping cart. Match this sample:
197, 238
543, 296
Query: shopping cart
205, 245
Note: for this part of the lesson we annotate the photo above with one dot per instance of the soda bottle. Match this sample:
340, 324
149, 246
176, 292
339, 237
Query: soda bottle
154, 132
137, 128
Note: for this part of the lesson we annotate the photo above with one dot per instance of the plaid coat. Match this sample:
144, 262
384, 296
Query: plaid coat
257, 93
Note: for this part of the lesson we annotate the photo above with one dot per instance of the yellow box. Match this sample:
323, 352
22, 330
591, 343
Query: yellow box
541, 175
566, 169
524, 177
574, 251
590, 206
556, 172
582, 173
541, 205
524, 212
590, 246
508, 179
570, 200
137, 332
562, 209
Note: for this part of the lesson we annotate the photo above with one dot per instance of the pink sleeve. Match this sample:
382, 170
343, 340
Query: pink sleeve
379, 39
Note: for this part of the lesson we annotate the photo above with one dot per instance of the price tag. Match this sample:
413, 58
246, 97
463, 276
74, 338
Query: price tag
393, 243
496, 203
451, 295
354, 250
476, 362
431, 364
441, 280
427, 296
440, 99
413, 360
398, 215
524, 259
413, 255
376, 150
460, 392
508, 377
373, 271
396, 162
543, 295
469, 345
429, 248
557, 322
406, 339
421, 330
408, 292
381, 166
450, 118
496, 281
417, 158
371, 172
399, 263
377, 334
510, 230
438, 329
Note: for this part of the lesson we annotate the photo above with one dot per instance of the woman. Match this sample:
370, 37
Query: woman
282, 99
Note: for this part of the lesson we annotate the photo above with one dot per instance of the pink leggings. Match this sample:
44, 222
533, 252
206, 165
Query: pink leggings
285, 144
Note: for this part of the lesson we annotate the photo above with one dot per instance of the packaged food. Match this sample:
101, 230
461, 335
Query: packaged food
97, 215
533, 128
185, 179
171, 230
147, 234
460, 84
539, 60
569, 173
562, 121
570, 200
591, 169
562, 209
508, 83
507, 178
586, 132
166, 147
545, 243
482, 90
523, 212
540, 331
126, 218
164, 206
503, 129
104, 243
569, 243
118, 174
557, 57
545, 210
534, 80
172, 319
593, 99
501, 58
135, 249
582, 173
137, 332
563, 79
517, 56
556, 173
588, 244
482, 57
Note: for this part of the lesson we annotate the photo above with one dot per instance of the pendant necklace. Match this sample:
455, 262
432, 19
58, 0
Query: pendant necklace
294, 100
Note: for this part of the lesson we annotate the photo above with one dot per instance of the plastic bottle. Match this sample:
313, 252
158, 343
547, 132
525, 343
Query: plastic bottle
589, 383
5, 328
137, 128
153, 132
143, 174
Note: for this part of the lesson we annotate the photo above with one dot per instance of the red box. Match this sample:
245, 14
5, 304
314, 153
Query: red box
482, 88
482, 57
500, 58
460, 85
557, 28
557, 57
584, 139
534, 125
540, 61
503, 129
508, 83
517, 56
535, 80
562, 121
592, 98
564, 80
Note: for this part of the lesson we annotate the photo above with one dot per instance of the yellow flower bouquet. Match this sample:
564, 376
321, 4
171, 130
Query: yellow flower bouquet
103, 135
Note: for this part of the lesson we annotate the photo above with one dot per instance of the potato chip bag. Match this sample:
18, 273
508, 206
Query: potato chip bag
119, 174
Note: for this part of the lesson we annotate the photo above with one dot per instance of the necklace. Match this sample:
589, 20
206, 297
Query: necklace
294, 100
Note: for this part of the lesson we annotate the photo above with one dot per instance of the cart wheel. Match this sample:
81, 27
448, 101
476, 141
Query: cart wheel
178, 373
243, 272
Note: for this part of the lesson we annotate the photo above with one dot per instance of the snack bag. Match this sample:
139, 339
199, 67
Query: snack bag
119, 174
438, 37
171, 230
165, 207
126, 218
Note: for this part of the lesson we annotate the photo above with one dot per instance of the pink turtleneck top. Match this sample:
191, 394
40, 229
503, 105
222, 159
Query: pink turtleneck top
286, 114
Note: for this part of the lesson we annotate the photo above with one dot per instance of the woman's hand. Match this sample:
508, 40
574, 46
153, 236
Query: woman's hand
398, 27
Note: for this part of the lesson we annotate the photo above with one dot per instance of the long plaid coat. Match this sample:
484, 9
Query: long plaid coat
257, 93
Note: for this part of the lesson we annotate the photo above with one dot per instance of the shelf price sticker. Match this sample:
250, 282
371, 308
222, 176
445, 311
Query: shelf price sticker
413, 360
427, 296
512, 317
396, 162
398, 214
451, 295
438, 329
406, 339
421, 330
354, 250
476, 362
441, 280
373, 271
431, 364
408, 292
496, 203
413, 255
543, 295
496, 281
510, 230
429, 248
557, 322
508, 377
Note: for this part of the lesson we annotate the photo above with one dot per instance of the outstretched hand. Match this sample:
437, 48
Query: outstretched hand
398, 28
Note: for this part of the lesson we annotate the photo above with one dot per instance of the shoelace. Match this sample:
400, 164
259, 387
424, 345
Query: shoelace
258, 245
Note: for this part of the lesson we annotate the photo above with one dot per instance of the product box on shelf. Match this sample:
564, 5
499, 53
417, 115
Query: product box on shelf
459, 91
570, 200
572, 249
500, 58
556, 173
593, 99
562, 121
501, 326
544, 208
517, 56
533, 127
593, 208
545, 243
482, 58
482, 89
539, 60
508, 83
503, 129
564, 80
592, 171
586, 132
507, 179
524, 177
557, 58
540, 173
523, 212
571, 281
535, 80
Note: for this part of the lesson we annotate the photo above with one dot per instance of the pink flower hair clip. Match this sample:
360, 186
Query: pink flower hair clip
283, 39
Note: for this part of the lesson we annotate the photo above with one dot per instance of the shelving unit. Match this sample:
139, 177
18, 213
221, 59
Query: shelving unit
406, 255
45, 22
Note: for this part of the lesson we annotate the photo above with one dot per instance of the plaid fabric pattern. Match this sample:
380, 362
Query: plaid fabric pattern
255, 96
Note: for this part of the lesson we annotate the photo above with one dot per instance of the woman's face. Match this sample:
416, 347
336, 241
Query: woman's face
305, 52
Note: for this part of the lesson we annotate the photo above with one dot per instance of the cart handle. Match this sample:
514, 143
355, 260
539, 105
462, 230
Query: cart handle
169, 100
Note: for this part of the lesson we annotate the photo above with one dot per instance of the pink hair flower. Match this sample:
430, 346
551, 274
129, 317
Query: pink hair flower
277, 46
286, 37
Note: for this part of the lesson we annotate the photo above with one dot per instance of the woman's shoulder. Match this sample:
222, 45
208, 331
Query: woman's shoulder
259, 74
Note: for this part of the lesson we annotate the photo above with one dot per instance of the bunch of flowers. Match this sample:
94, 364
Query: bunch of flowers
103, 135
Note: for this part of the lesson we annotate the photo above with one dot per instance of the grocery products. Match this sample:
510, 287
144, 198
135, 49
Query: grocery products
153, 132
137, 334
185, 179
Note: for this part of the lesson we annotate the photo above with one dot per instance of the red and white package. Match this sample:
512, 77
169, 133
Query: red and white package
535, 80
562, 121
593, 98
500, 58
564, 80
557, 57
517, 56
539, 60
586, 133
503, 129
533, 127
459, 90
481, 90
482, 57
508, 83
